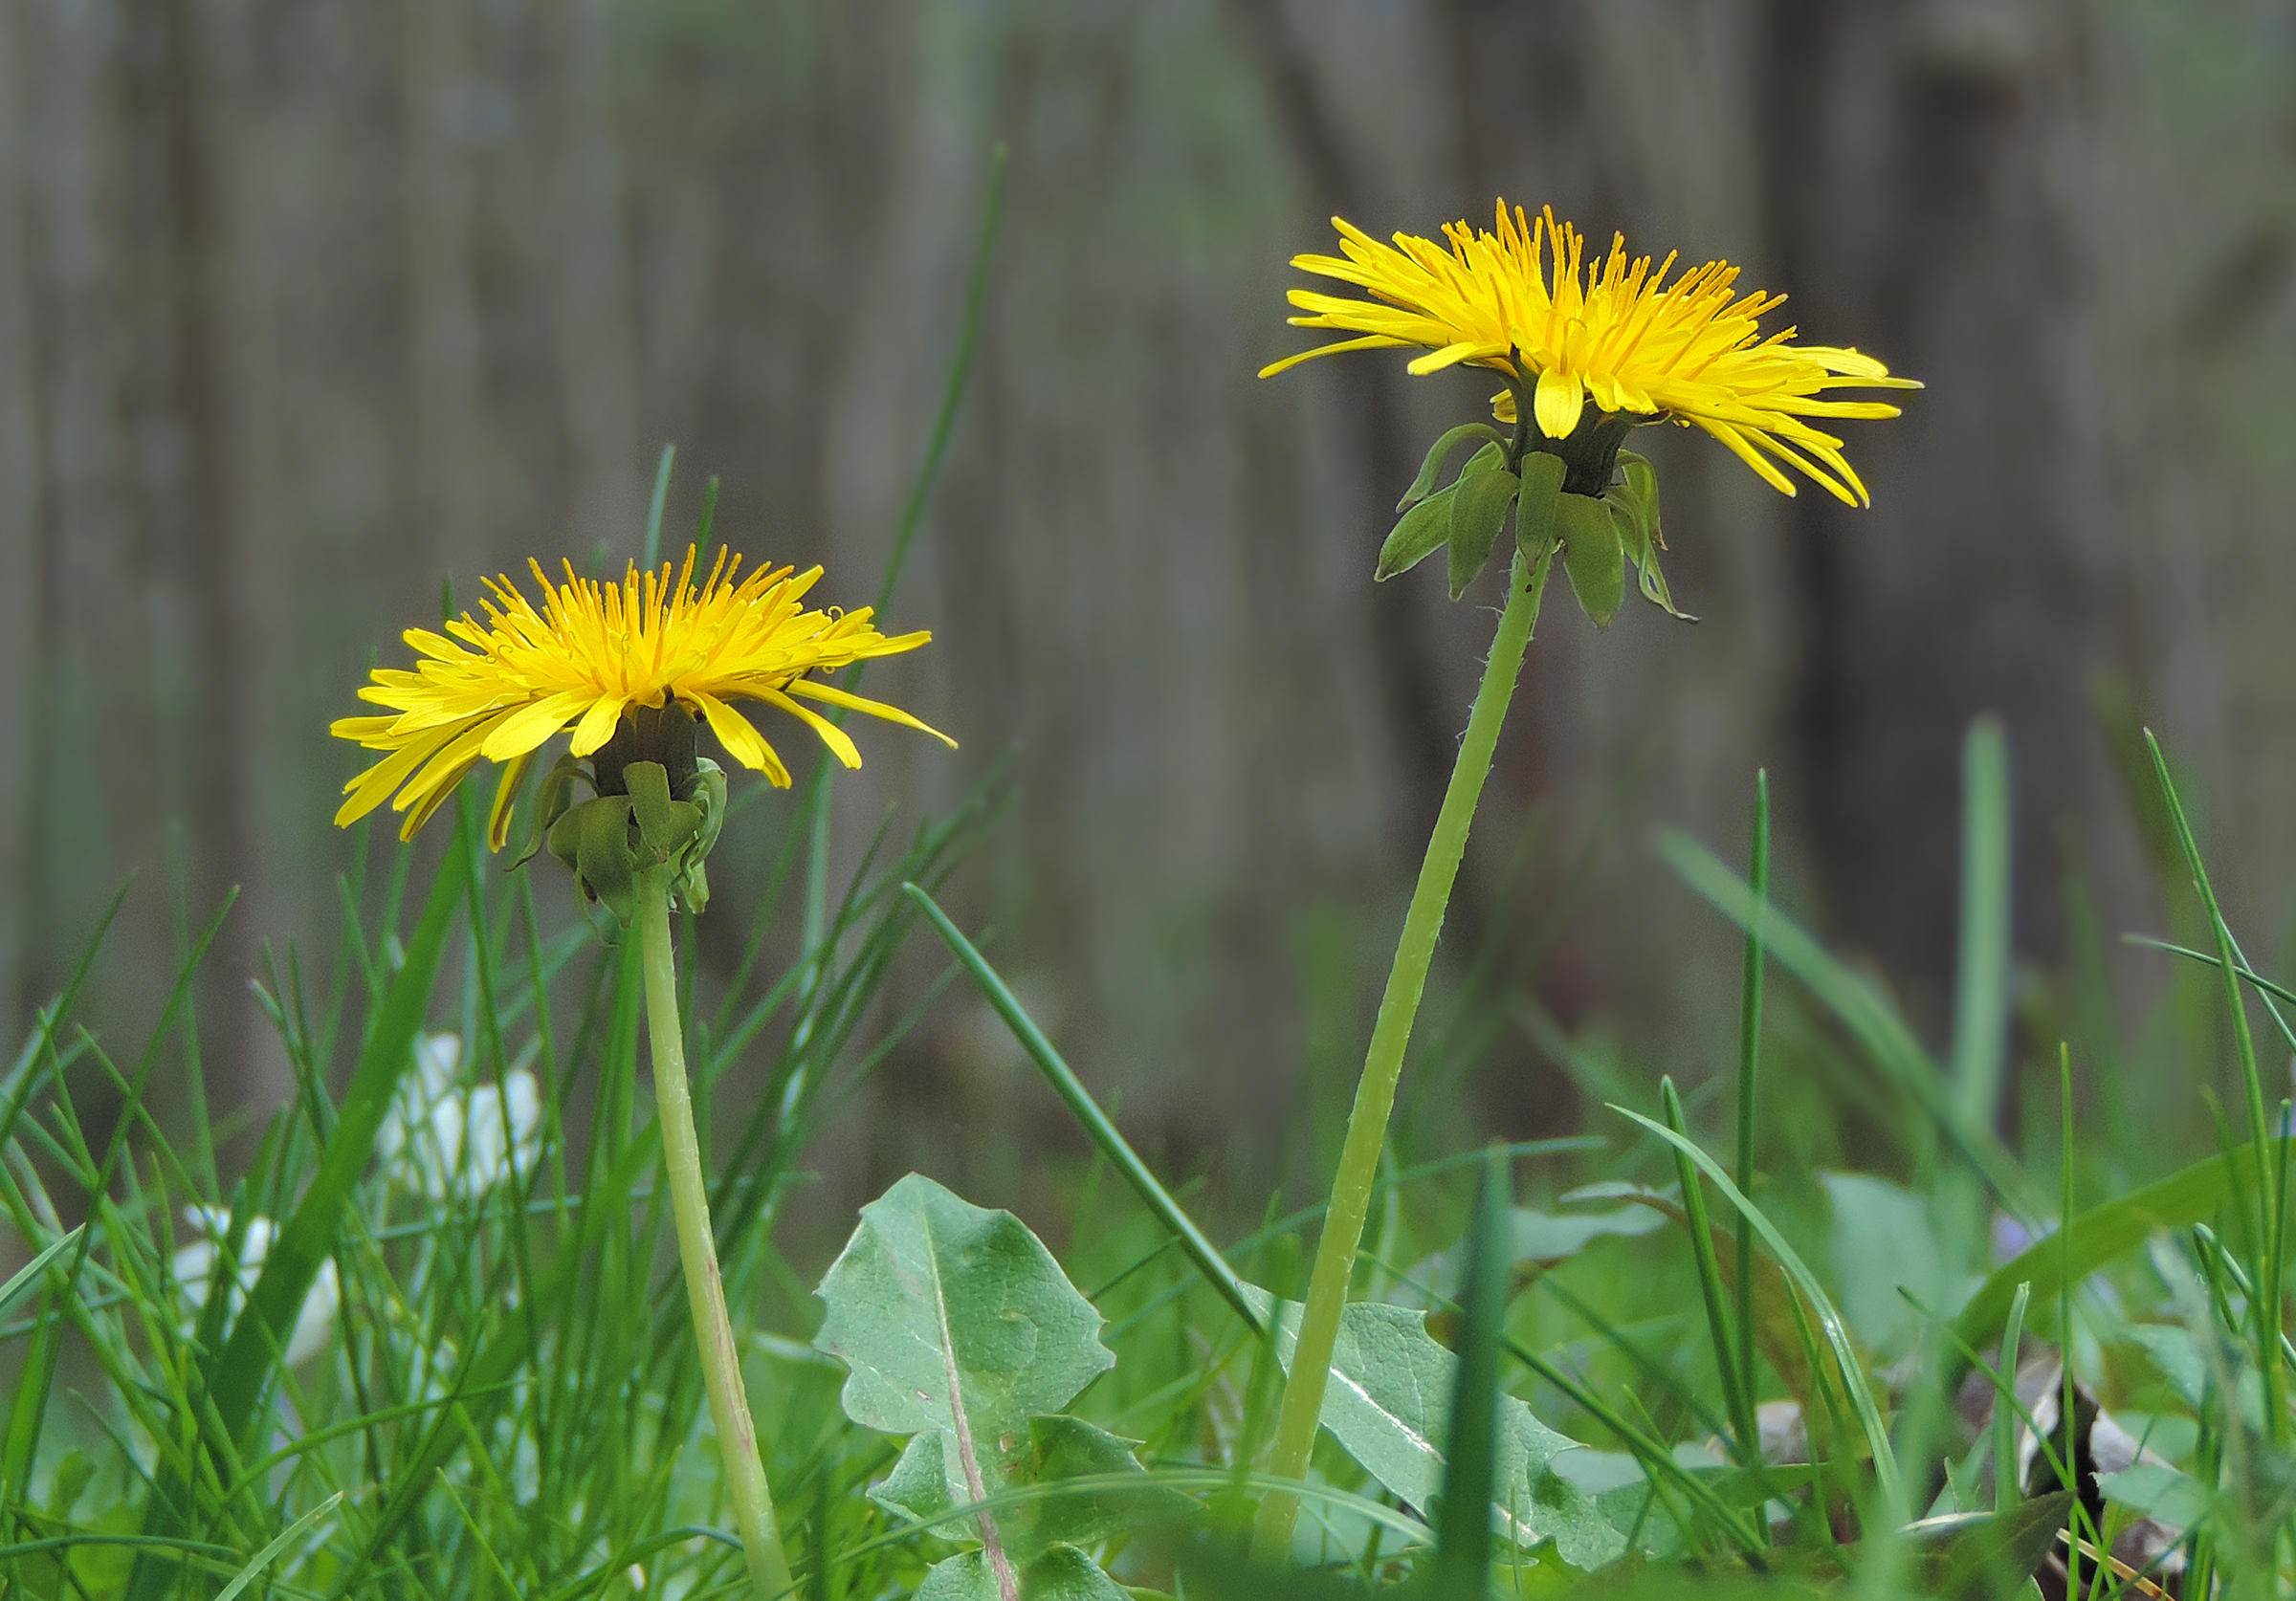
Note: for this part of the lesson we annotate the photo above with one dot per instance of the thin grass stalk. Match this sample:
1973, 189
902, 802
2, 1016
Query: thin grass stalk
1735, 1398
1750, 1058
2264, 1309
1352, 1186
2006, 1491
697, 1250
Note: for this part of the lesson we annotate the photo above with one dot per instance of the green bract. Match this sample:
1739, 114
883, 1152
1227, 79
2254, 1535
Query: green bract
1599, 532
606, 841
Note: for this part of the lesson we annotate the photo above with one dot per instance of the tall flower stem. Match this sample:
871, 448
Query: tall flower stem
1383, 1064
697, 1249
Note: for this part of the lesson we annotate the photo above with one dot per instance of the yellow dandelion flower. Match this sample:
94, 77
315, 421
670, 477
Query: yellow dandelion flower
592, 652
1618, 334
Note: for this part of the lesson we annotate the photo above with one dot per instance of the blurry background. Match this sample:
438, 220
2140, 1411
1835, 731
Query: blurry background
308, 304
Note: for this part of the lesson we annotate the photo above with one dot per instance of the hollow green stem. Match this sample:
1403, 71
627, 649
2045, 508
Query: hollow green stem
697, 1249
1383, 1064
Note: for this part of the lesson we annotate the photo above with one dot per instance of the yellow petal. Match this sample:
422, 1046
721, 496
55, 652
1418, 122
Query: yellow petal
523, 730
742, 742
831, 735
835, 696
597, 725
506, 795
1559, 401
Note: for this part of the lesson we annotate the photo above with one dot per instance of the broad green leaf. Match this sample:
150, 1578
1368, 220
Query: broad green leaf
2158, 1492
1438, 453
1982, 1556
955, 1322
1544, 1236
922, 1488
1391, 1386
1423, 531
1063, 1573
1592, 555
1535, 505
1479, 503
1880, 1240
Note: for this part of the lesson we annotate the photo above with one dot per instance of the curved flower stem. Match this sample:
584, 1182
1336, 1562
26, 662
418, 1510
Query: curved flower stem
697, 1248
1383, 1064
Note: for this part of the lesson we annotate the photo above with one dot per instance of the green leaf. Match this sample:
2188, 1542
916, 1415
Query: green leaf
1479, 505
1438, 453
956, 1324
1543, 1237
1063, 1573
2160, 1493
1535, 506
1593, 555
1880, 1239
1982, 1556
1423, 531
1390, 1380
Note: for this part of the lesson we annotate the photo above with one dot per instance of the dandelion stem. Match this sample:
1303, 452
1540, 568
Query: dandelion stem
1383, 1064
696, 1248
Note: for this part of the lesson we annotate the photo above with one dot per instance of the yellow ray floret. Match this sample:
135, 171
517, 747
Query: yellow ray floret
1616, 333
591, 651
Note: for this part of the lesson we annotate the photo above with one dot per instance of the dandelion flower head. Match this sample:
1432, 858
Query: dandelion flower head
1615, 332
590, 652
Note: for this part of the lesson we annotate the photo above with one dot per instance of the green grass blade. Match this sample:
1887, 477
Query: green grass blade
2006, 1490
1748, 1439
2266, 1310
2190, 1195
1863, 1010
1837, 1333
1079, 1101
288, 1536
29, 1274
1981, 987
262, 1330
1750, 1060
1463, 1526
653, 510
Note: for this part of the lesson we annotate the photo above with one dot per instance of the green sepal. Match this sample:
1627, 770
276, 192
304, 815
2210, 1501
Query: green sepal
1421, 532
1634, 535
1634, 502
1478, 513
1438, 453
1535, 523
593, 840
1593, 555
1641, 483
550, 803
1653, 584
